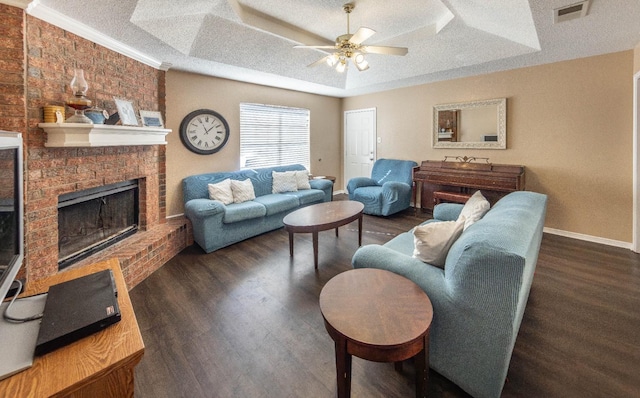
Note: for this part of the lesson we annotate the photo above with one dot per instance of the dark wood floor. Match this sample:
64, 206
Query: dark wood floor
244, 321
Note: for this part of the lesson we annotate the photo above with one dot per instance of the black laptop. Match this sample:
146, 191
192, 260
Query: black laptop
76, 309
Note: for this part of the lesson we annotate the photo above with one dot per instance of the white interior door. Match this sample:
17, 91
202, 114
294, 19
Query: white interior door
359, 143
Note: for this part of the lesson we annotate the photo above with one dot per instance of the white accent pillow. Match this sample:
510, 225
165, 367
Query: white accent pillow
242, 190
302, 177
284, 182
433, 240
474, 209
221, 191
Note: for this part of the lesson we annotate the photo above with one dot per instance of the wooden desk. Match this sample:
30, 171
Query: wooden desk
100, 365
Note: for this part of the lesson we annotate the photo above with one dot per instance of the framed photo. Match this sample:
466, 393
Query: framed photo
151, 119
126, 112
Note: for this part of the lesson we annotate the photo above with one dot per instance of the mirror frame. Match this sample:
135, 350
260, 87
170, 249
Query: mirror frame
500, 103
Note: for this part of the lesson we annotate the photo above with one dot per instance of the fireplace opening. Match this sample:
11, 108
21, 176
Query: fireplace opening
93, 219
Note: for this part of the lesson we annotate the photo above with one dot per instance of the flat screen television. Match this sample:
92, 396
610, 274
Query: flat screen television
11, 210
17, 339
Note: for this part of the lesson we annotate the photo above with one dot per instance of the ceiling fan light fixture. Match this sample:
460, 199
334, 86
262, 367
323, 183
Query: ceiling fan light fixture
332, 60
361, 63
349, 47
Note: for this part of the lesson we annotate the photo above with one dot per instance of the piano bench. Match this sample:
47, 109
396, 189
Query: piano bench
456, 197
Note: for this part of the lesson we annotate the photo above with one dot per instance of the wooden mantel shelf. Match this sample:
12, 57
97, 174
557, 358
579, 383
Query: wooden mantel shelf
93, 135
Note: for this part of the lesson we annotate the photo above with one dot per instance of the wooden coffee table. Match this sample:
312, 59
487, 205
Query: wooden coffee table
378, 316
322, 217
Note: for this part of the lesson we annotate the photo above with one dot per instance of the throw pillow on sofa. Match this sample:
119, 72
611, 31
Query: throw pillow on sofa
474, 209
284, 181
242, 190
221, 191
433, 240
302, 177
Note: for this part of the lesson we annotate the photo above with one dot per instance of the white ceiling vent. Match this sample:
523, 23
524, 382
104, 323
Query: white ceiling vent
572, 11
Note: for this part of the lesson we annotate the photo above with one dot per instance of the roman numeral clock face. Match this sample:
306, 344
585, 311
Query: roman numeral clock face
204, 131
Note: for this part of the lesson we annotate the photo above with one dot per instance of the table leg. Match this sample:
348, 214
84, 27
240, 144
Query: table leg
336, 232
290, 244
343, 369
360, 230
422, 369
315, 249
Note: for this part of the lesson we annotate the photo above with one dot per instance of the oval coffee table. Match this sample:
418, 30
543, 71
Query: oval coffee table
379, 316
322, 217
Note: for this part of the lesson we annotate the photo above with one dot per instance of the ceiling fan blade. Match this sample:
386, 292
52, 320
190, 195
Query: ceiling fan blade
320, 47
361, 35
385, 50
322, 60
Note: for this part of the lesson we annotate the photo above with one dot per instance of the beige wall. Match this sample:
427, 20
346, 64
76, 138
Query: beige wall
636, 59
187, 92
569, 123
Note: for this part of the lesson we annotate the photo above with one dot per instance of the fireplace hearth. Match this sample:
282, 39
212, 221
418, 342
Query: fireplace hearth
93, 219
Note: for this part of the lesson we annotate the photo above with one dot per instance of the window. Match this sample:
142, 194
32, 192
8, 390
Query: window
273, 136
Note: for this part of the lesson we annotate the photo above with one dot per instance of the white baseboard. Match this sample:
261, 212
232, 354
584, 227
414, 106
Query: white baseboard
589, 238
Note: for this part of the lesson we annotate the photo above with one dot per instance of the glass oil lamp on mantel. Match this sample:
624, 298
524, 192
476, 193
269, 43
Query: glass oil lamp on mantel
79, 102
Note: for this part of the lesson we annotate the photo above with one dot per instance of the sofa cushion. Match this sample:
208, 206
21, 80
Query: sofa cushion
277, 203
242, 190
433, 240
284, 182
302, 178
307, 196
243, 211
221, 191
474, 209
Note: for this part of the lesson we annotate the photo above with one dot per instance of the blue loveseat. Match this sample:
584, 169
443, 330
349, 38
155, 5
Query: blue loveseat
480, 296
216, 225
388, 191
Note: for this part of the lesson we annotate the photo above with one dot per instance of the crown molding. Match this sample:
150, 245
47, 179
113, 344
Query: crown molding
62, 21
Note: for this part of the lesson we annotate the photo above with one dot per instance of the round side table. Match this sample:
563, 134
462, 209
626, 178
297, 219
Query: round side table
378, 316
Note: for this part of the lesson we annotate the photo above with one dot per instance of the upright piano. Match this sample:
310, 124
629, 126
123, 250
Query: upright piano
465, 176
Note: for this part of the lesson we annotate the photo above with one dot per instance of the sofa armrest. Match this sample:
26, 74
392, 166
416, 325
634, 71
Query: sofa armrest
428, 277
399, 188
358, 182
447, 211
202, 208
321, 184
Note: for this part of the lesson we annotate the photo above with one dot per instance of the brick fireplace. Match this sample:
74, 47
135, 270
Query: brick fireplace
38, 62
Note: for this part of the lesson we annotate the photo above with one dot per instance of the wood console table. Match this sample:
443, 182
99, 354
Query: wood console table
494, 180
100, 365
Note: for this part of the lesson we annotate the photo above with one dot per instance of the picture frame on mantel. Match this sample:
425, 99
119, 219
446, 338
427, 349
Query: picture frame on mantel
151, 119
126, 112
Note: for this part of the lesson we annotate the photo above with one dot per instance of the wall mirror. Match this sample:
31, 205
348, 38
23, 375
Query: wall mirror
473, 124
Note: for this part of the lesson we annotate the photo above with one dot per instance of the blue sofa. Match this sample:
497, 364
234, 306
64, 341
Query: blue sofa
388, 191
480, 296
216, 225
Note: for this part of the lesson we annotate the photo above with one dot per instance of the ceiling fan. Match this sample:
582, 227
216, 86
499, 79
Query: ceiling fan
349, 46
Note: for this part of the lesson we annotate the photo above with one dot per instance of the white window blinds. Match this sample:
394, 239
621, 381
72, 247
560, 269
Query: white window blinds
273, 136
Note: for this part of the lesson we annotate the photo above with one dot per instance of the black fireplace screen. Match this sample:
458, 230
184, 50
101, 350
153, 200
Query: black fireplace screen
90, 220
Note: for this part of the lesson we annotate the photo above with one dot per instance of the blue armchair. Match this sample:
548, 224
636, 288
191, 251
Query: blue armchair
388, 191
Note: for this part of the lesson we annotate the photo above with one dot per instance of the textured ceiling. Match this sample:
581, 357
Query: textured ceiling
253, 40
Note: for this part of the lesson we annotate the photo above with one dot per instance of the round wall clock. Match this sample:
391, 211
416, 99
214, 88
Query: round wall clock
204, 131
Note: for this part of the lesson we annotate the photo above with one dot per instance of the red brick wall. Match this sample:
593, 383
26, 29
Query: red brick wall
12, 84
51, 55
